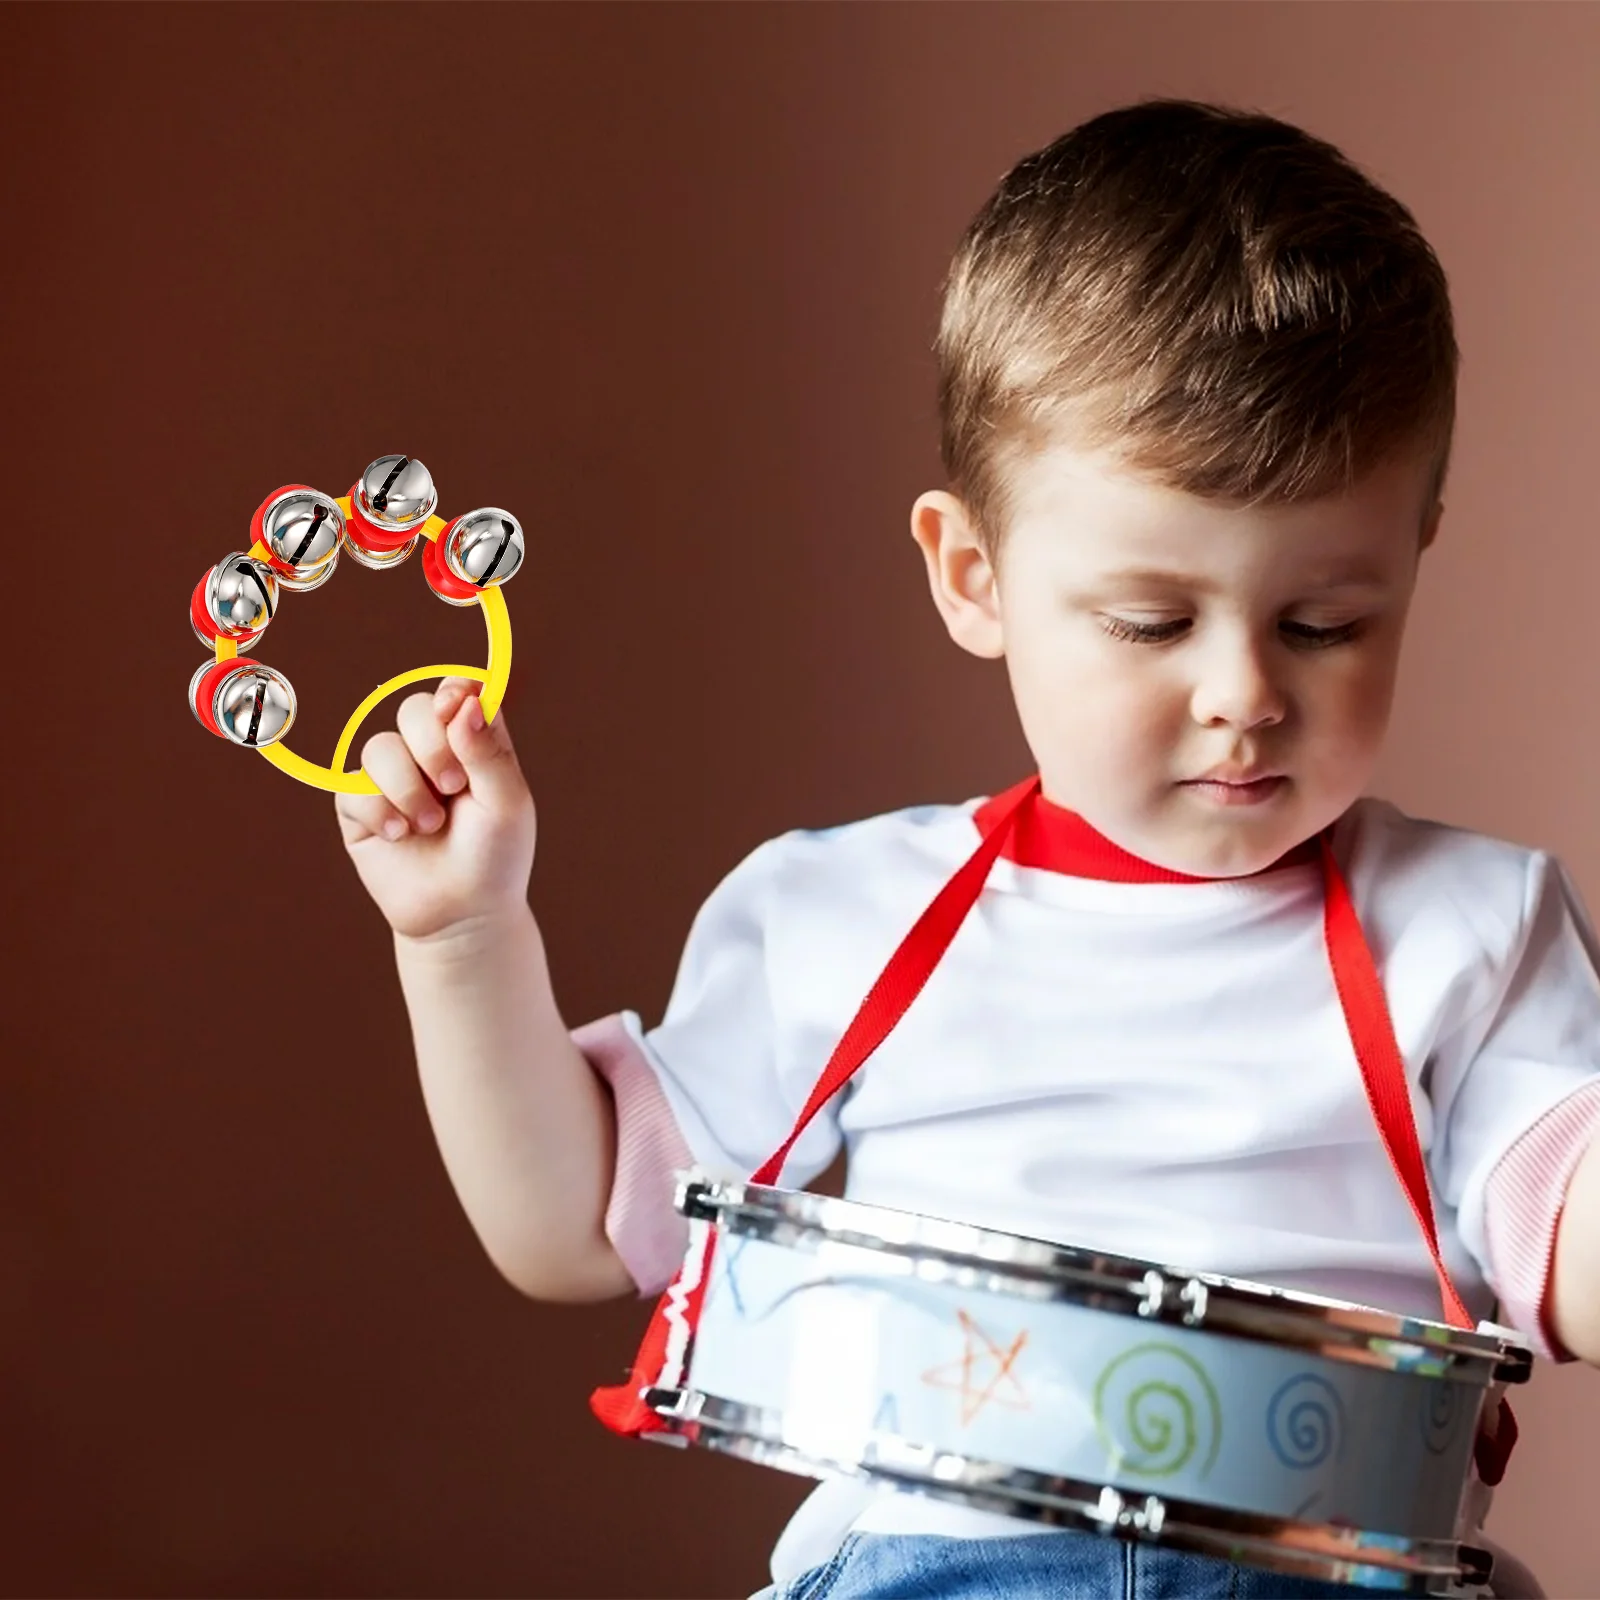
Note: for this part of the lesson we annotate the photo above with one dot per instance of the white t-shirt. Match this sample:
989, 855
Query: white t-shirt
1159, 1070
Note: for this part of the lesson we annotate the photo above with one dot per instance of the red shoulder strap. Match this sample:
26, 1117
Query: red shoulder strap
903, 979
622, 1407
1383, 1073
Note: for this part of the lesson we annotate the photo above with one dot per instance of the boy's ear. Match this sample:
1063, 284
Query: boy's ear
1430, 525
960, 576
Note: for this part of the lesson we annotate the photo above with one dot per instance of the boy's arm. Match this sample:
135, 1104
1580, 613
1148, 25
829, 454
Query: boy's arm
1575, 1272
525, 1127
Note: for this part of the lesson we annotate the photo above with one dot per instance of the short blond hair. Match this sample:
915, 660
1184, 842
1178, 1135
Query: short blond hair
1222, 299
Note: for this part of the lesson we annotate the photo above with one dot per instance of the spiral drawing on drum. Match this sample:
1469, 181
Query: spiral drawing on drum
1440, 1415
1156, 1410
1305, 1421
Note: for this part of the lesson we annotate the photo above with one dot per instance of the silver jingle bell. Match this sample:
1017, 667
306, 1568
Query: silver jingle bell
194, 685
316, 580
241, 593
396, 493
302, 530
378, 559
484, 547
254, 707
245, 642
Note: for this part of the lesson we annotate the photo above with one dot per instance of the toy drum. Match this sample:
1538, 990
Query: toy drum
1089, 1391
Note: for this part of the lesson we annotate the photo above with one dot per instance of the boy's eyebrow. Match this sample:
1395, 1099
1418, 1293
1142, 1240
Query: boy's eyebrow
1160, 578
1352, 575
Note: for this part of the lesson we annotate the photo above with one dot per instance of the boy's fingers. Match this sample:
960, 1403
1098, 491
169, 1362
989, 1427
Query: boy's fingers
386, 760
422, 728
486, 754
451, 692
362, 816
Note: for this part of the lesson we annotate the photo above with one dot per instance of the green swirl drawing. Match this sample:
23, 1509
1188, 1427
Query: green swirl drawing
1155, 1408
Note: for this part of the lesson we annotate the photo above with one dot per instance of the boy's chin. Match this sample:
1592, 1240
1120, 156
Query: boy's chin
1227, 839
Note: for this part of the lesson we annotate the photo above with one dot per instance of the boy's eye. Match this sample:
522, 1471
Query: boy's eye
1144, 632
1307, 636
1301, 635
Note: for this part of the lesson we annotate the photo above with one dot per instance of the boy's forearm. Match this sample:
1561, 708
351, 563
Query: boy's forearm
526, 1129
1575, 1280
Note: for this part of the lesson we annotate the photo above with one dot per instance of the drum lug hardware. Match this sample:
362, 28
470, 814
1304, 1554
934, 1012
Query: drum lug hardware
1112, 1510
1517, 1368
690, 1198
1194, 1296
1149, 1517
675, 1405
1155, 1294
1108, 1509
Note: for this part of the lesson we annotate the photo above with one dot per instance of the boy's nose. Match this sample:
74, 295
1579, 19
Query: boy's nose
1236, 690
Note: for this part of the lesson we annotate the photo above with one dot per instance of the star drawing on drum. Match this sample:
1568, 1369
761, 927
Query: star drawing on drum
959, 1375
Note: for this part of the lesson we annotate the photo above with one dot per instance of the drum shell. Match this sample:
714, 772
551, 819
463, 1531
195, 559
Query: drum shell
843, 1353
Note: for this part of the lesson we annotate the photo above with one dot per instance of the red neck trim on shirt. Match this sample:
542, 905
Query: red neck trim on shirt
1050, 836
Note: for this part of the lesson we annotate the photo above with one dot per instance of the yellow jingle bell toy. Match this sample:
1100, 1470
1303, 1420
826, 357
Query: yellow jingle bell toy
295, 539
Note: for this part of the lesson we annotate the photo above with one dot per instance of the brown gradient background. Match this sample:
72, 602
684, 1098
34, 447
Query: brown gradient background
663, 280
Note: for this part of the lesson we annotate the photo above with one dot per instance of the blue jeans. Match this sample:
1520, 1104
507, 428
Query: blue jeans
1036, 1566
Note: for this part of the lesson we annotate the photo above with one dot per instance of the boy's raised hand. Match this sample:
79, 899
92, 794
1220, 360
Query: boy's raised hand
449, 840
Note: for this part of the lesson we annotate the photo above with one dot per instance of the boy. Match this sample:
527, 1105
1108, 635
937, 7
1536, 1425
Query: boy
1197, 393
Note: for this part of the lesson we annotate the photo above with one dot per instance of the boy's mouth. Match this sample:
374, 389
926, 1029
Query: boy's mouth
1237, 789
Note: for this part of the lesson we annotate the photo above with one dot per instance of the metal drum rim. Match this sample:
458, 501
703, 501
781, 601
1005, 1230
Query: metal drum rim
1230, 1307
756, 1434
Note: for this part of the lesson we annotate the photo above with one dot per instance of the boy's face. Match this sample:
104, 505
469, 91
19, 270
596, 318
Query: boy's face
1207, 685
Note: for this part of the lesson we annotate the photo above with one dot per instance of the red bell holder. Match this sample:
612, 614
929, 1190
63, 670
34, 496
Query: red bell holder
441, 579
205, 692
